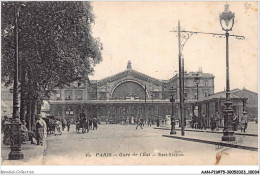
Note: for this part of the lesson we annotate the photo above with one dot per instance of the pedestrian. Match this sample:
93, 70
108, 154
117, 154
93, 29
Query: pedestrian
139, 123
217, 120
193, 121
234, 122
244, 122
212, 123
7, 131
58, 127
95, 124
41, 130
142, 121
68, 124
24, 132
149, 122
63, 124
158, 122
90, 123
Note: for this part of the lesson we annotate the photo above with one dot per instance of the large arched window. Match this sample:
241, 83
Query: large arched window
129, 89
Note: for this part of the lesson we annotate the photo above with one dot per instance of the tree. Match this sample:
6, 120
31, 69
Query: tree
56, 46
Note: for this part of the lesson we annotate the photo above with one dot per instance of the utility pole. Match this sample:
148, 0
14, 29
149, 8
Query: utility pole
183, 98
180, 79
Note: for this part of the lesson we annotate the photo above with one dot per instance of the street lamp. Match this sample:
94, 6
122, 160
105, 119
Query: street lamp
227, 21
172, 117
197, 81
16, 153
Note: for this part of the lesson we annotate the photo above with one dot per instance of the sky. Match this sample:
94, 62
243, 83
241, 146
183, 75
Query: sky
140, 32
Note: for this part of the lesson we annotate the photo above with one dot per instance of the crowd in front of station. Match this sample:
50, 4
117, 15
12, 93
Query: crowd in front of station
52, 125
216, 122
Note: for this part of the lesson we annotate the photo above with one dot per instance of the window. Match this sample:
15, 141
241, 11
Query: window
58, 96
155, 95
68, 95
206, 93
79, 95
92, 96
79, 84
206, 82
185, 95
195, 95
102, 95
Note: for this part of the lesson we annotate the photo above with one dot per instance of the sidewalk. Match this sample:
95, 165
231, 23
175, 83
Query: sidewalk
242, 141
252, 130
33, 154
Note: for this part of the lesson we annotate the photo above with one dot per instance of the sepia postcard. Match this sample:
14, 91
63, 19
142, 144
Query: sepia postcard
129, 83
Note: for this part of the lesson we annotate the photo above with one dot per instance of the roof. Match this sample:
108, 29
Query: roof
128, 72
220, 95
237, 90
194, 74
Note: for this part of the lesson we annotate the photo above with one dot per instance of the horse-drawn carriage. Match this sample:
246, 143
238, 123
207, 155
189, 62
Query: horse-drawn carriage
50, 122
82, 124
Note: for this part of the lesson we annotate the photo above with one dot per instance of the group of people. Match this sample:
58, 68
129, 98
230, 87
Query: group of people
65, 123
198, 122
215, 122
133, 120
39, 132
140, 122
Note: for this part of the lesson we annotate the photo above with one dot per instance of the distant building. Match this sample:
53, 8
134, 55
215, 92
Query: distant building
216, 103
250, 101
45, 108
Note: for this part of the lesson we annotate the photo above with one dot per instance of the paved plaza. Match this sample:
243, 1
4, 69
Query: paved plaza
124, 144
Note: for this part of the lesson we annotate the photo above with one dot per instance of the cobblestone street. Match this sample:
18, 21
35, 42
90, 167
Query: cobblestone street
124, 144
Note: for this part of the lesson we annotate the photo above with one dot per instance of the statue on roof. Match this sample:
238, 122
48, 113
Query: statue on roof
129, 66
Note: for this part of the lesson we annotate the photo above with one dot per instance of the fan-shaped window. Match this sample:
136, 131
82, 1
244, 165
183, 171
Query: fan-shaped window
129, 90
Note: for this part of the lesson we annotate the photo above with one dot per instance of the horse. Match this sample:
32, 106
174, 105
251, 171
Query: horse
83, 125
50, 125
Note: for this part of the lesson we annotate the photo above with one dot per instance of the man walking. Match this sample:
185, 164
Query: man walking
244, 122
68, 124
41, 130
139, 123
95, 124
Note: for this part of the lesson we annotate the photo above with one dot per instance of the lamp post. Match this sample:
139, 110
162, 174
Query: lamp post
197, 81
152, 106
227, 21
16, 153
172, 117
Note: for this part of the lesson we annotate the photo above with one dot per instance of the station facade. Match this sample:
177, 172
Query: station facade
131, 94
